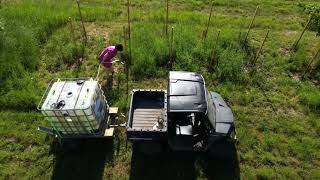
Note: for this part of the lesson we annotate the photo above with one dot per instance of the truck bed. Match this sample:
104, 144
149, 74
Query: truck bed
146, 118
147, 107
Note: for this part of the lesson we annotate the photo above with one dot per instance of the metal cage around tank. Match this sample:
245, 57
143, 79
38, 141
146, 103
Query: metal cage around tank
76, 122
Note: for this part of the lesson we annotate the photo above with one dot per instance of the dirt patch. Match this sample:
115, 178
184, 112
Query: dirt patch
284, 51
291, 33
11, 140
97, 30
295, 76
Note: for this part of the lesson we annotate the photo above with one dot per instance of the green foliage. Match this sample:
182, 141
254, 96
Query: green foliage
231, 59
22, 32
18, 54
313, 9
23, 100
63, 49
310, 96
150, 52
21, 143
298, 60
24, 28
20, 93
266, 173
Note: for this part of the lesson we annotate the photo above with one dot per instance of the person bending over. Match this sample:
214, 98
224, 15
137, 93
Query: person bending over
106, 57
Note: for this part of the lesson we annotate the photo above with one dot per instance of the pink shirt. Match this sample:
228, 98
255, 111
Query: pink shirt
108, 53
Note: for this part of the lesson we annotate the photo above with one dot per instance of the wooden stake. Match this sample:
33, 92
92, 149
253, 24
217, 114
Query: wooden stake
307, 70
129, 32
167, 17
71, 29
240, 34
208, 24
171, 50
118, 78
213, 52
260, 49
125, 31
250, 26
84, 29
126, 59
295, 45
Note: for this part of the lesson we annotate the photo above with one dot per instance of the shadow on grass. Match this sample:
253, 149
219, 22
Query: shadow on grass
221, 165
83, 159
184, 166
163, 166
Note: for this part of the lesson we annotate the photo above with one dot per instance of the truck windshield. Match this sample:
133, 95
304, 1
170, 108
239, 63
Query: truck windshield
211, 109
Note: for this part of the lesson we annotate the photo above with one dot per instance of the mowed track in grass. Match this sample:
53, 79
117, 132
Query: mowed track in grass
277, 113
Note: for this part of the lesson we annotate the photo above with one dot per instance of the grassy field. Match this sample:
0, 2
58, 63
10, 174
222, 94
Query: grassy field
277, 110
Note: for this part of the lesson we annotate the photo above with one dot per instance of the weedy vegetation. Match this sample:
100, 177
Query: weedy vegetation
276, 106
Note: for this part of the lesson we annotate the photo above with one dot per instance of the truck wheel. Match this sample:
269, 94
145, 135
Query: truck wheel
222, 149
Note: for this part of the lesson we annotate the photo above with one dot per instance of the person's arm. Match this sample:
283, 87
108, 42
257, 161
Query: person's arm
106, 58
118, 61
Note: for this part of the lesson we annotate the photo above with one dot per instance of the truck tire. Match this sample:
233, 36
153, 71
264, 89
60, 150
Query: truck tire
223, 149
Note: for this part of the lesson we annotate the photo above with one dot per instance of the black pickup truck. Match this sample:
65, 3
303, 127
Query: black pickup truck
186, 117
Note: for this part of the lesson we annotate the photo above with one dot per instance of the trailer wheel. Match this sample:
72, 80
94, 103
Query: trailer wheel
69, 145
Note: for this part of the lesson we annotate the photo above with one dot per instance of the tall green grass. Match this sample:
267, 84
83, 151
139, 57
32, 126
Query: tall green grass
24, 29
64, 49
314, 10
299, 60
21, 144
21, 36
310, 96
150, 52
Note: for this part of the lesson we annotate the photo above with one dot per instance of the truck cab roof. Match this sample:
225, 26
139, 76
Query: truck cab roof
186, 92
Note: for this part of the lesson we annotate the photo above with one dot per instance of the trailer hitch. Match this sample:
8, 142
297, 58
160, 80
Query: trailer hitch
46, 130
118, 125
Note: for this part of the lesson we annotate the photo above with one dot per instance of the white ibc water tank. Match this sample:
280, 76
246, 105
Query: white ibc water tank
74, 106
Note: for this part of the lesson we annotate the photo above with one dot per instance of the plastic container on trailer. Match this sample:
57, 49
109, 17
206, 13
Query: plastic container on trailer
74, 106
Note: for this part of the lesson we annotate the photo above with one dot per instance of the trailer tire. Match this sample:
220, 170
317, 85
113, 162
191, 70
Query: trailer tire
69, 145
